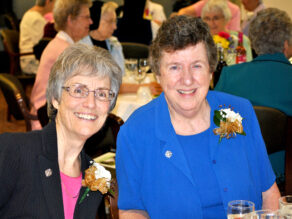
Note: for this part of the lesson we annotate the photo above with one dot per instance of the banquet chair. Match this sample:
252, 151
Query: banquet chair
16, 99
273, 124
135, 50
10, 39
113, 200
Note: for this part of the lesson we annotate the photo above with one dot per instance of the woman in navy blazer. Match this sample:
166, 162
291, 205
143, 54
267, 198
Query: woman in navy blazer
41, 171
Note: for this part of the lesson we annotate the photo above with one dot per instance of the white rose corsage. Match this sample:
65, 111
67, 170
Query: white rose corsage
96, 178
229, 123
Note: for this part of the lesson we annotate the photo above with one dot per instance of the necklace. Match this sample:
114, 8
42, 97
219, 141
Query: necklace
67, 191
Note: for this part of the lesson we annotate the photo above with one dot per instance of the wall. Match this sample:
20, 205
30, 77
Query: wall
285, 5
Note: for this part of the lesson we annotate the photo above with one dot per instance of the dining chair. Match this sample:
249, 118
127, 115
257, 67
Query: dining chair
10, 39
273, 124
113, 200
135, 50
18, 104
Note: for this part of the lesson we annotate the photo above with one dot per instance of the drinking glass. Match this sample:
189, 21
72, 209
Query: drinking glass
285, 203
131, 66
263, 214
142, 70
238, 208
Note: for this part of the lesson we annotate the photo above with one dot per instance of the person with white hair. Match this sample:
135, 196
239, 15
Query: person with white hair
31, 31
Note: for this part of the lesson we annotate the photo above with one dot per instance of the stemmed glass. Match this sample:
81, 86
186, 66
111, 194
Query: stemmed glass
239, 208
131, 66
142, 70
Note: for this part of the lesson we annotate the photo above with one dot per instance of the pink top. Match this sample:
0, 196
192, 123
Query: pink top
233, 24
70, 191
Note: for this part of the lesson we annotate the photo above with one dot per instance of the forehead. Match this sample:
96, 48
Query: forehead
190, 53
213, 13
84, 10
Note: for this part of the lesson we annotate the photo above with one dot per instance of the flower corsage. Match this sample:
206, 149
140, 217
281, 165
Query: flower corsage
229, 123
96, 178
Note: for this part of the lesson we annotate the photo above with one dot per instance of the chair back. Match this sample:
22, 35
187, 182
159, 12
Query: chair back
113, 200
16, 99
273, 125
105, 139
10, 40
135, 50
11, 21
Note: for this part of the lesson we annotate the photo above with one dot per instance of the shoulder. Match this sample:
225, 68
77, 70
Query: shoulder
114, 41
86, 40
233, 7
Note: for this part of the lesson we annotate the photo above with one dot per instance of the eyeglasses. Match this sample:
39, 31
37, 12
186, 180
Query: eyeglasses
214, 19
82, 91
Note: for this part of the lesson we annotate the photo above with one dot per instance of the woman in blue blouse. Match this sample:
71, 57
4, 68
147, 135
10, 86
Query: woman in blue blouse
170, 163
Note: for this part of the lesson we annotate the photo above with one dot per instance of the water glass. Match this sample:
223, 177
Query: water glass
238, 208
285, 203
263, 214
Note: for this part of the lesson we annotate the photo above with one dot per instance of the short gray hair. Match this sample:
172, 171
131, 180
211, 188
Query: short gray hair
109, 7
217, 6
72, 62
269, 30
64, 8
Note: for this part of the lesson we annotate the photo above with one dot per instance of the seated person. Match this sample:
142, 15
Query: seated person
196, 9
104, 23
31, 31
216, 14
172, 160
266, 80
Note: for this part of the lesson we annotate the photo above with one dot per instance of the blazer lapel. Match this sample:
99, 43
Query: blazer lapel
50, 178
49, 171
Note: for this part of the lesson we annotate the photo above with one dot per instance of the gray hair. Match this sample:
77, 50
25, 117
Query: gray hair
269, 30
217, 6
73, 61
64, 8
178, 33
109, 7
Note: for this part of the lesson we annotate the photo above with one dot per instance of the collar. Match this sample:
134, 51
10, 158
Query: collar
276, 57
64, 36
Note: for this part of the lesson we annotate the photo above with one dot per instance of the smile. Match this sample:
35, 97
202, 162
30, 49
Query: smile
85, 116
187, 91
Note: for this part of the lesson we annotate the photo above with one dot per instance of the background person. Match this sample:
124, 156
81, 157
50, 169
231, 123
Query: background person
216, 14
41, 172
104, 24
31, 31
196, 9
266, 80
174, 166
72, 20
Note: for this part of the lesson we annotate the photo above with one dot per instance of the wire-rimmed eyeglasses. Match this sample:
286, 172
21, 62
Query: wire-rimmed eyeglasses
82, 91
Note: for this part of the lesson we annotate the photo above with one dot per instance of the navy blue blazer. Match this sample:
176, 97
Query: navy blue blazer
26, 191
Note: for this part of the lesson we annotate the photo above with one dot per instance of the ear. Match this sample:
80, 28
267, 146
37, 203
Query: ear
55, 103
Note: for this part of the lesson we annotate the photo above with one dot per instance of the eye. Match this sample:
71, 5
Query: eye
196, 66
80, 90
102, 93
173, 67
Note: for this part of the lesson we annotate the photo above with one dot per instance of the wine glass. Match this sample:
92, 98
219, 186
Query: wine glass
239, 208
285, 203
142, 70
131, 66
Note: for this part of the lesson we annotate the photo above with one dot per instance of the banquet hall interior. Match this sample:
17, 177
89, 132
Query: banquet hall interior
11, 13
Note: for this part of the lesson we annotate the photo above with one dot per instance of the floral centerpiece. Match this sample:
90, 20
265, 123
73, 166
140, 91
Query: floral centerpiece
229, 123
226, 42
96, 178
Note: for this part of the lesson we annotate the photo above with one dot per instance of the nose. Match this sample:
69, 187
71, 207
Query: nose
115, 25
187, 77
90, 21
90, 101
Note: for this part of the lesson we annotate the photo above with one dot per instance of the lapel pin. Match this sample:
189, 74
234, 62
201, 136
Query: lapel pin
168, 154
48, 172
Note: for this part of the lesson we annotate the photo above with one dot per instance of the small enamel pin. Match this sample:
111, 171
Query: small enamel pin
48, 172
168, 154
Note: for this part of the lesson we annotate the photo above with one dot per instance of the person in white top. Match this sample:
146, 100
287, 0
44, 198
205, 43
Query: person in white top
31, 31
156, 12
252, 7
